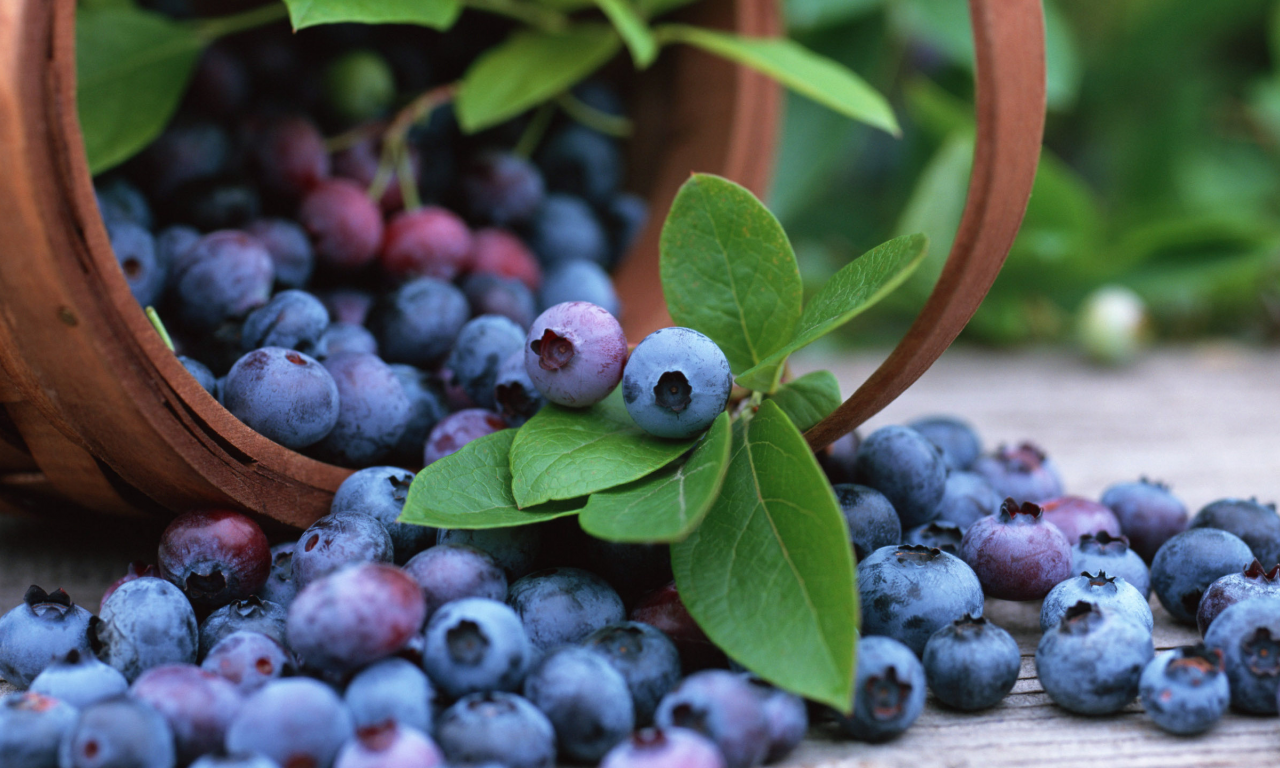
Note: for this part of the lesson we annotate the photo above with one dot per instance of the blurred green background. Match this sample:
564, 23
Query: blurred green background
1160, 171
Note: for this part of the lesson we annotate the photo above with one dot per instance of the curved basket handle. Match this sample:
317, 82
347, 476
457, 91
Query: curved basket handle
1008, 37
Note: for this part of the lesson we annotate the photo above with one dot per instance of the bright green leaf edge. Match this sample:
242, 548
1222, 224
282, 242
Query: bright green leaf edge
807, 73
776, 506
858, 286
809, 399
436, 14
633, 29
667, 505
472, 489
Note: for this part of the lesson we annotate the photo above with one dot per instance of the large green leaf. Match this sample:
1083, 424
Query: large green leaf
563, 453
634, 30
798, 68
472, 489
859, 285
668, 504
728, 271
437, 14
809, 399
132, 67
769, 573
529, 68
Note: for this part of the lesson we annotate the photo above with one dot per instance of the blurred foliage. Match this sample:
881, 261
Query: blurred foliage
1161, 167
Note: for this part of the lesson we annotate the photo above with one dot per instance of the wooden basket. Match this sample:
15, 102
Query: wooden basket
97, 412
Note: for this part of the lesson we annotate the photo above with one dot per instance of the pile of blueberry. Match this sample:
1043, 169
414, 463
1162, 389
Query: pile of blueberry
345, 300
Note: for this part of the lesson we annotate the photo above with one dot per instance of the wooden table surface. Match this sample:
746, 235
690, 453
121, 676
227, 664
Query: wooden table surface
1206, 419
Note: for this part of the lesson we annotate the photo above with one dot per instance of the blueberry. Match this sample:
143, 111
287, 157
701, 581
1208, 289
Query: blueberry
908, 469
676, 382
1248, 635
1111, 593
360, 163
625, 216
373, 410
451, 572
872, 521
665, 748
1188, 563
575, 353
515, 550
971, 663
136, 570
427, 407
135, 251
633, 570
290, 156
506, 296
564, 228
496, 727
359, 85
345, 337
645, 657
514, 395
355, 616
283, 395
185, 152
392, 690
337, 540
579, 280
298, 721
251, 614
198, 705
586, 700
224, 276
242, 760
344, 225
966, 498
562, 606
118, 732
482, 345
1016, 553
289, 248
457, 429
248, 660
499, 253
348, 305
837, 460
908, 593
1255, 581
579, 161
957, 439
32, 726
939, 534
502, 188
1091, 662
1256, 524
785, 715
723, 707
226, 202
664, 610
146, 623
214, 556
293, 319
380, 492
201, 373
1184, 690
1076, 516
45, 628
1105, 552
79, 679
1149, 514
426, 242
171, 244
475, 645
889, 691
119, 201
390, 745
279, 587
1023, 473
418, 323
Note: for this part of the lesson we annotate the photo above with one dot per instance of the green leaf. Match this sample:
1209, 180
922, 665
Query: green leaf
472, 489
769, 573
809, 399
437, 14
654, 8
668, 504
562, 453
803, 71
529, 68
728, 271
859, 285
812, 14
634, 30
132, 67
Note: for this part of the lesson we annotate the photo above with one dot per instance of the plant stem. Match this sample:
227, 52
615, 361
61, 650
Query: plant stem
212, 29
534, 131
408, 183
595, 119
395, 152
154, 317
541, 17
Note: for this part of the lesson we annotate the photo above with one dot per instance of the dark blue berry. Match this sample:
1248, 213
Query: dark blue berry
872, 521
490, 294
171, 243
289, 248
676, 382
579, 280
119, 201
516, 550
1023, 473
586, 700
502, 188
625, 217
645, 657
475, 645
198, 705
1091, 662
1188, 563
939, 534
337, 540
1184, 690
248, 660
1105, 552
837, 460
1256, 524
1149, 514
564, 228
957, 439
908, 593
786, 716
185, 152
380, 492
449, 572
279, 587
967, 498
284, 395
292, 319
971, 663
419, 322
32, 725
1111, 593
427, 404
345, 337
135, 251
1255, 581
373, 410
908, 469
119, 732
514, 395
579, 161
1248, 635
888, 692
391, 690
482, 345
633, 570
498, 728
146, 623
562, 606
42, 630
224, 276
723, 707
251, 614
297, 721
203, 376
214, 203
79, 679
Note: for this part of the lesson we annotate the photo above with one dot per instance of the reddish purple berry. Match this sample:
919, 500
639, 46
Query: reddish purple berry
1016, 553
137, 570
1076, 516
248, 660
575, 353
449, 572
1254, 581
389, 745
428, 242
664, 609
665, 748
344, 224
215, 556
498, 252
199, 705
360, 161
457, 429
1149, 514
291, 156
